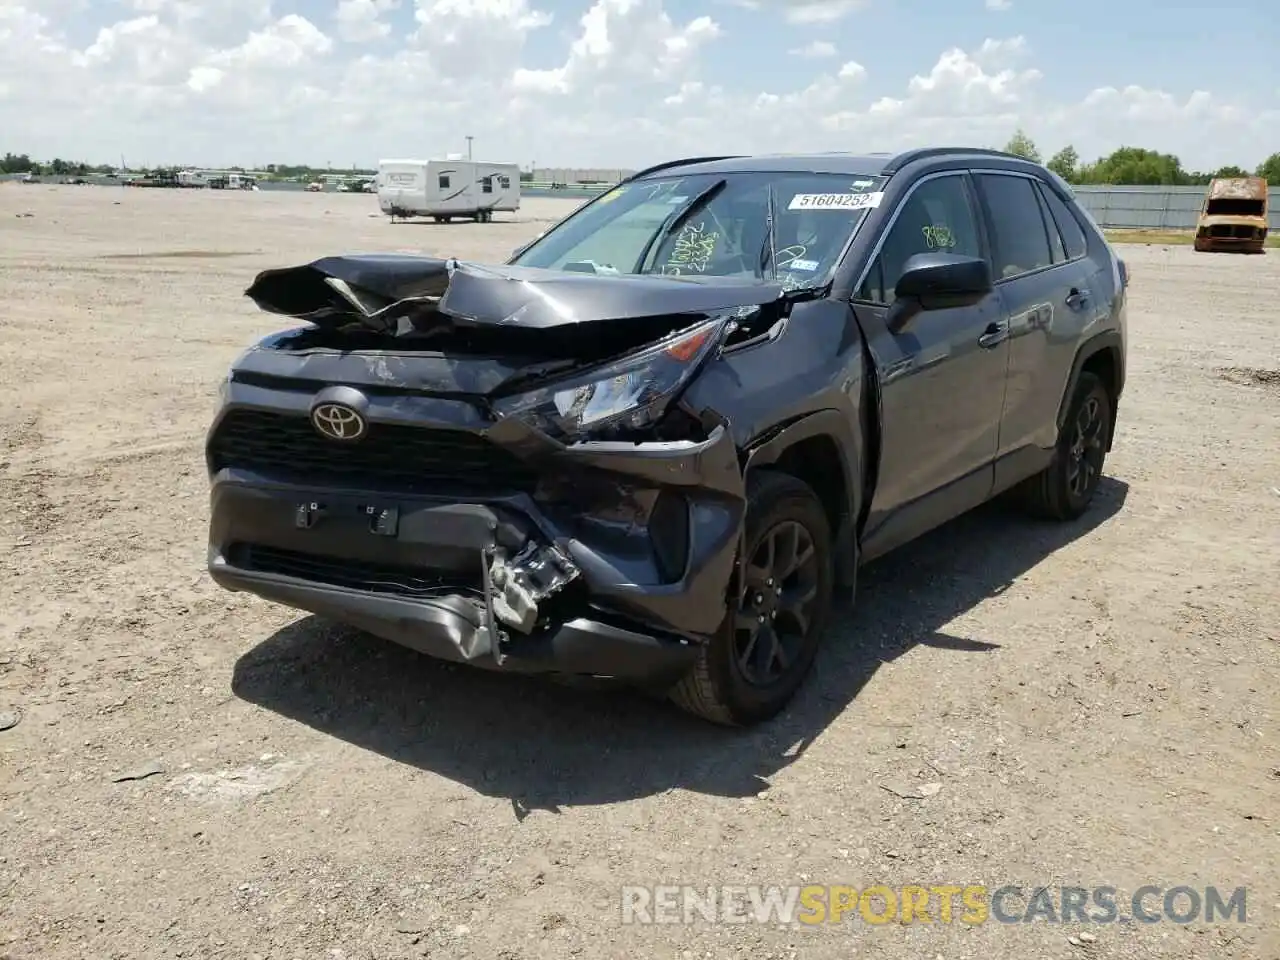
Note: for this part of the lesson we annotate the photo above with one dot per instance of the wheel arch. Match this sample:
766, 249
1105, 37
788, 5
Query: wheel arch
823, 450
1103, 356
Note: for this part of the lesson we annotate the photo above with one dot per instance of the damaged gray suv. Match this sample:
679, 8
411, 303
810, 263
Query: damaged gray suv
659, 442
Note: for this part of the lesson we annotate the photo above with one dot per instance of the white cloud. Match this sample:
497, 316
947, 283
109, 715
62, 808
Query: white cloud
622, 42
290, 41
627, 83
999, 5
818, 49
359, 21
474, 40
204, 78
820, 11
803, 11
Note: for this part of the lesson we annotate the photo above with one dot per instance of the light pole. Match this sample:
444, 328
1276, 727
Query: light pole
469, 139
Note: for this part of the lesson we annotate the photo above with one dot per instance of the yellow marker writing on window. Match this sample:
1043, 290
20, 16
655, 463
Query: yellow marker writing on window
938, 237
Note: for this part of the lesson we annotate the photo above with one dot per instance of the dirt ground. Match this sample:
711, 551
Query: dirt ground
1010, 703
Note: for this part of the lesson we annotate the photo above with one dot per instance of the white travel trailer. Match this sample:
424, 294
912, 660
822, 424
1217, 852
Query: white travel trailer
447, 189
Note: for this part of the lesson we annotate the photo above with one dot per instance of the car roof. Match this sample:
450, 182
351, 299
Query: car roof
869, 165
865, 164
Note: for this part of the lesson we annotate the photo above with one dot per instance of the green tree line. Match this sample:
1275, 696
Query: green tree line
22, 163
1135, 166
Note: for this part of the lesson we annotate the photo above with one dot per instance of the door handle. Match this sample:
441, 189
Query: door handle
996, 333
1077, 297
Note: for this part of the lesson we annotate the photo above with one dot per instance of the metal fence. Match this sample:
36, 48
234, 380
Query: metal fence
1153, 208
580, 175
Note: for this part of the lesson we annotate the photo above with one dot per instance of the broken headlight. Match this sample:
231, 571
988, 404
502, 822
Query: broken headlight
631, 393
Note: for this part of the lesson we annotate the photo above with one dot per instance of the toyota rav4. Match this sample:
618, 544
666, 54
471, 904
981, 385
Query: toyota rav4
659, 442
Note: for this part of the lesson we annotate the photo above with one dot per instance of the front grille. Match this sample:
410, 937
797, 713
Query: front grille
351, 574
389, 456
1233, 231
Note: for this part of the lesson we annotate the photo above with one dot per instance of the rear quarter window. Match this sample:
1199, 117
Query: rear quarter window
1072, 234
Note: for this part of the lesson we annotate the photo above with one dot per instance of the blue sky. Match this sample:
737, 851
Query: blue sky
248, 80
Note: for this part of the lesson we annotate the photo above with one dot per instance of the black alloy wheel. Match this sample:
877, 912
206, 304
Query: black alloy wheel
1087, 450
1064, 489
775, 606
775, 618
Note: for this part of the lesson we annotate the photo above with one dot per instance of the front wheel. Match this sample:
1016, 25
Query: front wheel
753, 666
1065, 488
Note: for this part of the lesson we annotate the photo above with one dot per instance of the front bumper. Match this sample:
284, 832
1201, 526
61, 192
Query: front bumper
1232, 241
1232, 235
616, 563
449, 627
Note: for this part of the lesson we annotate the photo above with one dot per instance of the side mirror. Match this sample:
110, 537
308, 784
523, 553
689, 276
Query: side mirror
939, 281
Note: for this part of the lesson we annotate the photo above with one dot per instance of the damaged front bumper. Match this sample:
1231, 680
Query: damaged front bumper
613, 561
480, 626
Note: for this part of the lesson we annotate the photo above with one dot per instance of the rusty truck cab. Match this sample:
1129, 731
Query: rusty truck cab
1234, 215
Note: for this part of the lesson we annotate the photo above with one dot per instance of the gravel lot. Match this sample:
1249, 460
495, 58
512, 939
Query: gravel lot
1010, 703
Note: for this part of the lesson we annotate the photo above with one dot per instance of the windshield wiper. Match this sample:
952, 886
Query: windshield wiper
677, 219
770, 244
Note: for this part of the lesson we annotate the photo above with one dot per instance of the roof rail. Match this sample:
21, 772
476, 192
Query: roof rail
678, 163
922, 153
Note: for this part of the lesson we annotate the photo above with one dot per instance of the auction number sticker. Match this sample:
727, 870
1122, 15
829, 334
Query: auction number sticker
835, 201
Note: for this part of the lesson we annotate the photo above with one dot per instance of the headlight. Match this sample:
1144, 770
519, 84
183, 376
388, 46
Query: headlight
630, 393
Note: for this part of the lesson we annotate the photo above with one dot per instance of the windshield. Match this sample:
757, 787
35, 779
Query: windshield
714, 225
1235, 207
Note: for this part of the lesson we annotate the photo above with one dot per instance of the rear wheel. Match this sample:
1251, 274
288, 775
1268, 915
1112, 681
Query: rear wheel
756, 662
1064, 489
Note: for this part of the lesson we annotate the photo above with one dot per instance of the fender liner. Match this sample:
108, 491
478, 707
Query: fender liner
838, 426
1107, 340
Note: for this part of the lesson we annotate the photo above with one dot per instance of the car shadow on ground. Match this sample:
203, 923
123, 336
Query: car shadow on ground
543, 746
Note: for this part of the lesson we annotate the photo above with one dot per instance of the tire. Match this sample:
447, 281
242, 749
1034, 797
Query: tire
719, 688
1059, 492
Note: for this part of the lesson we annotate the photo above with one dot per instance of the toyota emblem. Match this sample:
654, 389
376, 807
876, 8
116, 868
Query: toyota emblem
337, 421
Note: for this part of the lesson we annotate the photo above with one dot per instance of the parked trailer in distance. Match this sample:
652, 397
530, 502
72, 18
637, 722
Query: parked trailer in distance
447, 189
1234, 215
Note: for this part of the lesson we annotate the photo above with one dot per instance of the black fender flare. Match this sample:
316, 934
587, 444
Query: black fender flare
840, 428
1107, 340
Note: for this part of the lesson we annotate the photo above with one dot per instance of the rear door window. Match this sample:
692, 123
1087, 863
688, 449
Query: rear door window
1020, 240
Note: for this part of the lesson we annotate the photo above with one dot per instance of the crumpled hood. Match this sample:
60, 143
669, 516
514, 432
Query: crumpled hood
389, 291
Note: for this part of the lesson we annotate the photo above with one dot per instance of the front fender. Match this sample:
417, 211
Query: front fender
840, 428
